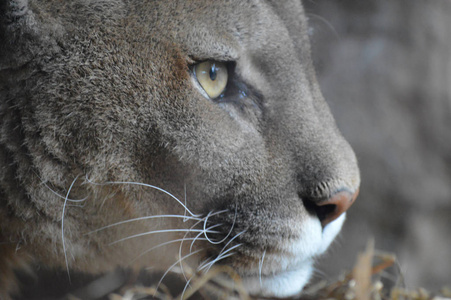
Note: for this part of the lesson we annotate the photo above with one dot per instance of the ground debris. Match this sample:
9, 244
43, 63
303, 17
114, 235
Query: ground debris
366, 281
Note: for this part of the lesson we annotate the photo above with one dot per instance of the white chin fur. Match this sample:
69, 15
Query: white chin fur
285, 284
296, 269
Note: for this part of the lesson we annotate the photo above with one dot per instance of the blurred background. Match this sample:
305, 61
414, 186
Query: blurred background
384, 67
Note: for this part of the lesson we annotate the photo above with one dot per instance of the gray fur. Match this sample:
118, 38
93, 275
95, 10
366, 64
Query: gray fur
101, 91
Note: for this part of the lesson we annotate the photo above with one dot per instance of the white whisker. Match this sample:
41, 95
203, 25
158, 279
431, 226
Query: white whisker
184, 213
181, 244
209, 228
260, 267
141, 219
78, 201
228, 234
194, 239
63, 197
57, 194
76, 205
228, 250
225, 254
62, 228
158, 231
206, 261
225, 246
223, 251
210, 264
186, 286
144, 185
218, 212
173, 265
161, 245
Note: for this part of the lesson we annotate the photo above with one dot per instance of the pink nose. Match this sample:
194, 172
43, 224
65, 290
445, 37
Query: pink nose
335, 206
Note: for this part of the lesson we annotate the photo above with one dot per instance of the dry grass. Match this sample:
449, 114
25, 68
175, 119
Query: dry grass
363, 282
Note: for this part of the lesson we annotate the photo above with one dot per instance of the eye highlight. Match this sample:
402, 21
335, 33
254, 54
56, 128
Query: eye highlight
212, 76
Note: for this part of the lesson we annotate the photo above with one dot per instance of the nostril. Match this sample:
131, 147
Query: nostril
330, 209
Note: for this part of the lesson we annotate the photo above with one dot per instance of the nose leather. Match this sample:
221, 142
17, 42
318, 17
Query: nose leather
340, 203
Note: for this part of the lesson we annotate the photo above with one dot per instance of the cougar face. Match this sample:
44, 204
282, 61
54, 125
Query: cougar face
150, 132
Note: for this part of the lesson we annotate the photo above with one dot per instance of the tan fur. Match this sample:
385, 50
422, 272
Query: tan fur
94, 92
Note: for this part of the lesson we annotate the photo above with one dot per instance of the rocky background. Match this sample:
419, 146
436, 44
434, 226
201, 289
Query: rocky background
385, 68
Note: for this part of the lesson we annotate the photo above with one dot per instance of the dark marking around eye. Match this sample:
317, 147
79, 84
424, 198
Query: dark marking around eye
213, 72
240, 94
237, 92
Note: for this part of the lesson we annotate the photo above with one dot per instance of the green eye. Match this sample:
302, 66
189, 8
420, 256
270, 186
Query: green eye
212, 76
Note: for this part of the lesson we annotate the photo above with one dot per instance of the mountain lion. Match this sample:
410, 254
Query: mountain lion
152, 133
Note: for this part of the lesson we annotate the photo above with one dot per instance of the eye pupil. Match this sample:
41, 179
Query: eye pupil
213, 72
212, 77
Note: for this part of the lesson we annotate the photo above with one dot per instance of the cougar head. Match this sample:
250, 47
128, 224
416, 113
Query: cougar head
153, 132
